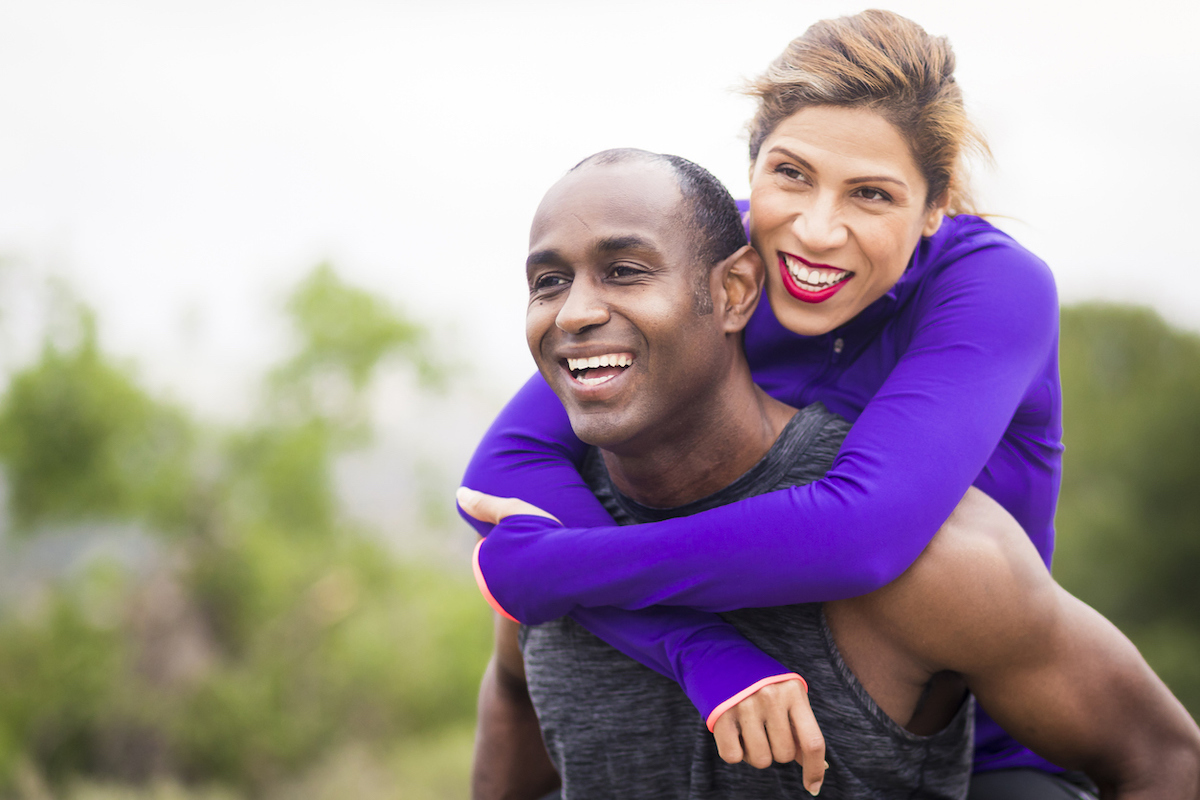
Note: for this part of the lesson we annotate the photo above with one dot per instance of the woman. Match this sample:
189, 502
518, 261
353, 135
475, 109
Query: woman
932, 331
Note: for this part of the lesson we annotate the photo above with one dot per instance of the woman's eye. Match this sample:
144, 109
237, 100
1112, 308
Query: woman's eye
868, 193
788, 171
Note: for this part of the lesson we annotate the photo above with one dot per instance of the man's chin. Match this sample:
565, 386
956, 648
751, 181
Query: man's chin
605, 430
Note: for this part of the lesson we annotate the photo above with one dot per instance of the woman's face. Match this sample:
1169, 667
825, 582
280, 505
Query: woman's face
837, 206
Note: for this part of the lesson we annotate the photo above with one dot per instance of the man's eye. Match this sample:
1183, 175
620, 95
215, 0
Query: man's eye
547, 282
627, 271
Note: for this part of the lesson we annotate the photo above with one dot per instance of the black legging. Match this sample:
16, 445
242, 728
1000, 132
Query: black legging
1011, 784
1030, 784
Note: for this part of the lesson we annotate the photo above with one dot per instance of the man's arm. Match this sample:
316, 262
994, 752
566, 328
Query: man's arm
511, 762
1053, 672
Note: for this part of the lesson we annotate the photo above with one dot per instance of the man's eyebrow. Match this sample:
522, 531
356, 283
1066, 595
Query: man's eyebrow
863, 179
613, 244
608, 245
539, 258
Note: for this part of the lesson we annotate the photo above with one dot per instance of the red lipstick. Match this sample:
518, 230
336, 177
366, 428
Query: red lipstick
804, 294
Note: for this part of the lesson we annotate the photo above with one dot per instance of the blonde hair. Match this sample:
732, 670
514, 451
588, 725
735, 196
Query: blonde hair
886, 63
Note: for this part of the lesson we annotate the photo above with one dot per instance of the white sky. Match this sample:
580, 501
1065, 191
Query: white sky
182, 164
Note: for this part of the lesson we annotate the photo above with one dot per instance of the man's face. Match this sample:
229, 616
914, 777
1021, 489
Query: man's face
612, 320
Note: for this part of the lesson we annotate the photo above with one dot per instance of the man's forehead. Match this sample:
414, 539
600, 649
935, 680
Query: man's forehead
603, 200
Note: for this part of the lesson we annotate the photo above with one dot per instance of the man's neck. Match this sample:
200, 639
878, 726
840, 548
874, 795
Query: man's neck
703, 453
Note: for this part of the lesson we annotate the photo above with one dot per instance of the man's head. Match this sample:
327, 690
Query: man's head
640, 283
708, 210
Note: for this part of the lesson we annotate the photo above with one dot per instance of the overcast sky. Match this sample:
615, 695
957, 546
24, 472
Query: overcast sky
182, 163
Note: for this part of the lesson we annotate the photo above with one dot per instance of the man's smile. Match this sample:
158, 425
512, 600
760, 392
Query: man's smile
595, 370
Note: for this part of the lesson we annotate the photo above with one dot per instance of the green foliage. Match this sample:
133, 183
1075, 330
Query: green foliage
1129, 514
306, 636
345, 333
281, 473
341, 644
55, 677
80, 440
347, 329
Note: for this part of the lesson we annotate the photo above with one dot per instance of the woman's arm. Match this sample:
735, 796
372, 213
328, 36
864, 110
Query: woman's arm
986, 335
530, 452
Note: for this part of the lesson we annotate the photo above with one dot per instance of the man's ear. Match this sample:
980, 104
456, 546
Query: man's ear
741, 278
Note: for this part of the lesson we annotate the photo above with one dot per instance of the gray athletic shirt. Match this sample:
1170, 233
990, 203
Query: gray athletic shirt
617, 729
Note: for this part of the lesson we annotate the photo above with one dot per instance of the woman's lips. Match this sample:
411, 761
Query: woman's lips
802, 278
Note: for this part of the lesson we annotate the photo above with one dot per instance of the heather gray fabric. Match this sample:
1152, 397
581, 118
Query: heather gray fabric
616, 729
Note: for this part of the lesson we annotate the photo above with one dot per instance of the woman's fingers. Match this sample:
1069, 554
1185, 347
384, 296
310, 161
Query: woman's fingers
729, 740
779, 733
489, 508
809, 744
775, 724
740, 735
756, 745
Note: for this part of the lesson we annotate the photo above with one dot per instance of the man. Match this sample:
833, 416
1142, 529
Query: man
615, 279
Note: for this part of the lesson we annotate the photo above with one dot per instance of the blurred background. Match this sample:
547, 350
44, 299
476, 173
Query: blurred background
261, 291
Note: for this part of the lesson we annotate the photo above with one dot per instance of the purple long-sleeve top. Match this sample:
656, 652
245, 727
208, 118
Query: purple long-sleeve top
951, 380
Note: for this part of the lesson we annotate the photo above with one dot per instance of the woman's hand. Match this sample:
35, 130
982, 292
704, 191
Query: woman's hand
489, 508
774, 724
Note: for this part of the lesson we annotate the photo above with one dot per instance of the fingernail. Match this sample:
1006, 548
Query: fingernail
816, 788
826, 765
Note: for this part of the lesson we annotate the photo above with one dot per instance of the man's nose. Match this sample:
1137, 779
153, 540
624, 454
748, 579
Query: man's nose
820, 226
583, 308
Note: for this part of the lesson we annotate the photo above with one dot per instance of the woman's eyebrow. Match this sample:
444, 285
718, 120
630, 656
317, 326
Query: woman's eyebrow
801, 161
864, 179
878, 179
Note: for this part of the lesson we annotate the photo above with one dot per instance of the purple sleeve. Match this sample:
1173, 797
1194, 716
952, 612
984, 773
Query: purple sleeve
531, 452
986, 331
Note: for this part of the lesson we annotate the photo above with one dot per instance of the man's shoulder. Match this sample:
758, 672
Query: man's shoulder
977, 591
809, 444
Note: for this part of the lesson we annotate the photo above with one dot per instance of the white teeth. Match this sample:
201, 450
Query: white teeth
595, 381
814, 278
595, 362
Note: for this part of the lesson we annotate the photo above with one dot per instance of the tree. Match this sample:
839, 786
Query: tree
1129, 514
305, 633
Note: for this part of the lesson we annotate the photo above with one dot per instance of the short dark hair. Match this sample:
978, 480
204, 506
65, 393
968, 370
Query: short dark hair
714, 219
